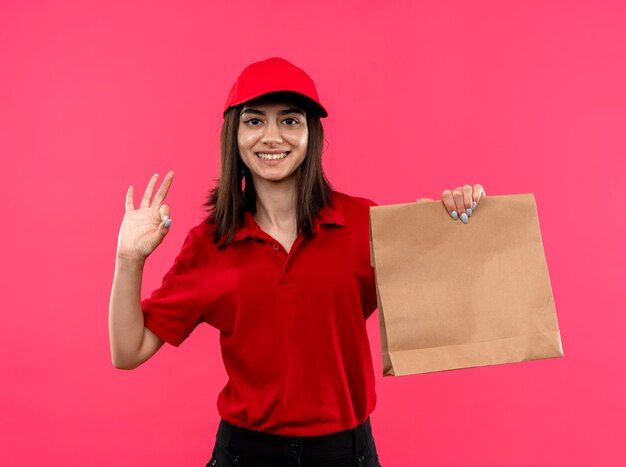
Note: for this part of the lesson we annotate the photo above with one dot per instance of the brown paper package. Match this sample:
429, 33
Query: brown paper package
454, 295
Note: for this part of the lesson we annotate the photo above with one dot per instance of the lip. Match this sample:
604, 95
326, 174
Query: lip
272, 162
272, 152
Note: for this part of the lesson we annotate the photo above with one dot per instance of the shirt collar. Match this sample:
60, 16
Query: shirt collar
331, 214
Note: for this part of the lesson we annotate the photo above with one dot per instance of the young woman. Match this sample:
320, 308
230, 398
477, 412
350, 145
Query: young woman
281, 267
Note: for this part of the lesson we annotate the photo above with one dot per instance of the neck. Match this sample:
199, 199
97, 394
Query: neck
276, 203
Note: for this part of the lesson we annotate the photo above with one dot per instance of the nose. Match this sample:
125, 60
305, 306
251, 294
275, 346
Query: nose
272, 134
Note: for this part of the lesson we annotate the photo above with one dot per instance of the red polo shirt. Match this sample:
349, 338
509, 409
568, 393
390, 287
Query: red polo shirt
292, 325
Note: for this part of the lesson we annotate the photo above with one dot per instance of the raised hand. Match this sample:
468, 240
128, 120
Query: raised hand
143, 229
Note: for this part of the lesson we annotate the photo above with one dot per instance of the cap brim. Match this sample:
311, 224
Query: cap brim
305, 101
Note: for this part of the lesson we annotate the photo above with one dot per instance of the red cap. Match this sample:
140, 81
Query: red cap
273, 75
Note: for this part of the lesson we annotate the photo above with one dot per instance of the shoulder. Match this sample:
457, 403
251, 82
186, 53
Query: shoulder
354, 202
198, 231
201, 236
354, 209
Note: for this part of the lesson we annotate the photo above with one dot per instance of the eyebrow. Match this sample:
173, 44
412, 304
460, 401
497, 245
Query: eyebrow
282, 112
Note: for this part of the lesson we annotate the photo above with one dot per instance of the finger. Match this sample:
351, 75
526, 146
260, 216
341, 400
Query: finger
448, 202
164, 228
479, 192
163, 189
164, 212
457, 194
467, 198
147, 195
130, 206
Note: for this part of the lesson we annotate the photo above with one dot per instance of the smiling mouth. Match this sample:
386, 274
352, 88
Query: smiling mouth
271, 157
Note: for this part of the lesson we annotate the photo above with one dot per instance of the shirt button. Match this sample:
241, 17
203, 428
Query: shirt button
275, 246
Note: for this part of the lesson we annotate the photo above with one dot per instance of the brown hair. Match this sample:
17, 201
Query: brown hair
228, 201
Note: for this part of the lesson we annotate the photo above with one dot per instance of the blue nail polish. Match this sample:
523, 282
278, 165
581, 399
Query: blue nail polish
469, 212
455, 215
165, 218
464, 218
473, 204
168, 222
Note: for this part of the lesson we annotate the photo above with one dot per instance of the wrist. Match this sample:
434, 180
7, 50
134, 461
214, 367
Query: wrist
129, 261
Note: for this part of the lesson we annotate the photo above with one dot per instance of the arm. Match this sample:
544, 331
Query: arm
142, 230
131, 342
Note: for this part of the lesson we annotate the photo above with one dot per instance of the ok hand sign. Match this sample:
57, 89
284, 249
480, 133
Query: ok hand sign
143, 229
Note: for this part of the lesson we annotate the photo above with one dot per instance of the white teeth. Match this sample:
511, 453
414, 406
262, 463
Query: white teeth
270, 157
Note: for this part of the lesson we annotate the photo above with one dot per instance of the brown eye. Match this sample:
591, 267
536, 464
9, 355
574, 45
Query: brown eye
295, 122
252, 121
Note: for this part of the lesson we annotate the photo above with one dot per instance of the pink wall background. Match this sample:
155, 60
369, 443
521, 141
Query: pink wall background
423, 95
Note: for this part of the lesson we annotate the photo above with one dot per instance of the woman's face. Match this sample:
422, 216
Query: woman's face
272, 138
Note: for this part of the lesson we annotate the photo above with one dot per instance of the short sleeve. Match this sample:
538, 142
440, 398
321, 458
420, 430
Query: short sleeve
368, 202
372, 297
368, 293
173, 310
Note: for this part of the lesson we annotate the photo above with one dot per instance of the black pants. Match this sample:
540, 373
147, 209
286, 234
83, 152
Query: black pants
240, 447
